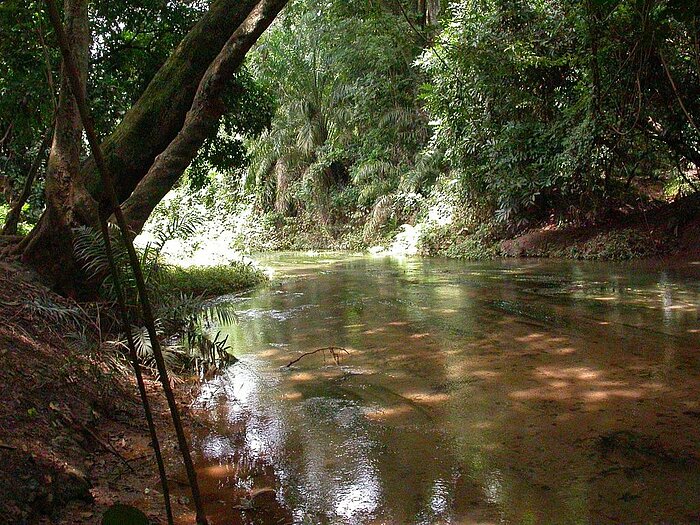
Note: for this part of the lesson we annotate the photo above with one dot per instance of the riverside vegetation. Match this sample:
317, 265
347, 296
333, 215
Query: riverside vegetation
447, 132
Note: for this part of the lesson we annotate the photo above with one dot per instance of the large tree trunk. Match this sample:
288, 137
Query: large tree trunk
147, 129
156, 118
51, 248
202, 119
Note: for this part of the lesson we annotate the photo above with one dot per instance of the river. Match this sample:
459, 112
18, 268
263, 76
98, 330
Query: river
500, 392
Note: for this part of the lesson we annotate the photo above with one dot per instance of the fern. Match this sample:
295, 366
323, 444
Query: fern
45, 308
89, 249
178, 316
172, 354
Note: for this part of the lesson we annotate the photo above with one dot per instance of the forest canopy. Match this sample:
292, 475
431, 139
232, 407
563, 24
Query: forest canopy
349, 119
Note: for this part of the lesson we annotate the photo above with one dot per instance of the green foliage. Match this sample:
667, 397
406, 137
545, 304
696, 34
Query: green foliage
352, 118
211, 281
180, 296
540, 112
66, 316
131, 39
617, 245
542, 106
28, 78
347, 122
460, 243
250, 113
23, 227
274, 231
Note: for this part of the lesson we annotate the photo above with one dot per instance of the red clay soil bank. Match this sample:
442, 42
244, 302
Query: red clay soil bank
671, 230
72, 437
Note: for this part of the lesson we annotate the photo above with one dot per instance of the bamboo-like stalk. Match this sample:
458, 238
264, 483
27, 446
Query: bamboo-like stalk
146, 311
134, 356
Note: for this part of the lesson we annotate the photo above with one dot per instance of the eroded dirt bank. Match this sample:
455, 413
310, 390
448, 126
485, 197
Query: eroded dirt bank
73, 440
670, 232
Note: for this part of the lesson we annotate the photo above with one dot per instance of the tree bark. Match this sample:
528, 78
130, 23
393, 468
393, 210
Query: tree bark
157, 117
202, 119
146, 130
53, 253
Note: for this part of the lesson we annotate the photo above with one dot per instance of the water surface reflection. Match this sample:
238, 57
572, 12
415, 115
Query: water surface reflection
503, 392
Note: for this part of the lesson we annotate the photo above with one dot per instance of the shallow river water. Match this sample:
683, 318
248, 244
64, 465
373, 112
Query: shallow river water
502, 392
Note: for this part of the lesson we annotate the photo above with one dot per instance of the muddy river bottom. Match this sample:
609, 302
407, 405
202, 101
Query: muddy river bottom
503, 392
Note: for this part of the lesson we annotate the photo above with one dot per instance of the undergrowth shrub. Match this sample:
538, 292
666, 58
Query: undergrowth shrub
460, 241
180, 297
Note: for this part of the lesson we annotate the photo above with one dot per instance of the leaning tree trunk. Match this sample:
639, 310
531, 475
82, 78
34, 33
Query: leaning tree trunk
51, 249
201, 120
157, 117
282, 201
147, 129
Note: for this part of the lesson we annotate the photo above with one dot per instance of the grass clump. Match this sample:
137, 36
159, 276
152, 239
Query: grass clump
211, 281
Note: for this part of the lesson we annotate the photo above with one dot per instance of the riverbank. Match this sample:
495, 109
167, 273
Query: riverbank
663, 230
73, 440
666, 231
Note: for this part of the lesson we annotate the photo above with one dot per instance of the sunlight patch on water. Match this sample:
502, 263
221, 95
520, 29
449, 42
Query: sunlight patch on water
359, 498
473, 393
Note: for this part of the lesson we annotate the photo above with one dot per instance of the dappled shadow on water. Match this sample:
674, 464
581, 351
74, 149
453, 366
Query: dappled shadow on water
492, 393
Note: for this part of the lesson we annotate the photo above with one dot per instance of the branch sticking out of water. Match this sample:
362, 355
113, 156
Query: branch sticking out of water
333, 350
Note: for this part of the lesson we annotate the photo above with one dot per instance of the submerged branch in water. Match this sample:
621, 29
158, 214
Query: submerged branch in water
334, 351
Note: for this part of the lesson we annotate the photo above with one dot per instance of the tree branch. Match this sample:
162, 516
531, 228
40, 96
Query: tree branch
12, 219
201, 120
677, 94
334, 351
